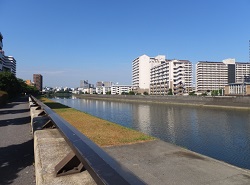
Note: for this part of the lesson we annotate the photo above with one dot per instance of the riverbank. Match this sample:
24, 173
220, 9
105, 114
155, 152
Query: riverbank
102, 132
158, 162
231, 102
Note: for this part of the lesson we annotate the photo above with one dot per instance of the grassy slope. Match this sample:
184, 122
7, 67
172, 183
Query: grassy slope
102, 132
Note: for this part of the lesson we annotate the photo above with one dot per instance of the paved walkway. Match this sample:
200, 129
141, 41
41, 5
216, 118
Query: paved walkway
161, 163
16, 144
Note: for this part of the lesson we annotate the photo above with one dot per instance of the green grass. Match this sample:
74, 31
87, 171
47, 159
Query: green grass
102, 132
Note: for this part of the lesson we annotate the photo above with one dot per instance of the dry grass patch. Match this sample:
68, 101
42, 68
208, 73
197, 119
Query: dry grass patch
102, 132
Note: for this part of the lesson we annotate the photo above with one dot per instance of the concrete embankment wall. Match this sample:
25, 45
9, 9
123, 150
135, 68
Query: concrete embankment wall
222, 101
49, 149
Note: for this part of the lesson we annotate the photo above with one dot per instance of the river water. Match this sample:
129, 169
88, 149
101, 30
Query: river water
222, 134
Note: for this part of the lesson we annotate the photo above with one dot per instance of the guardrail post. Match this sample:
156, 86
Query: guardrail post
69, 165
48, 124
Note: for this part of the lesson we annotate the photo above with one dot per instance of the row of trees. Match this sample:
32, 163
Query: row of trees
15, 86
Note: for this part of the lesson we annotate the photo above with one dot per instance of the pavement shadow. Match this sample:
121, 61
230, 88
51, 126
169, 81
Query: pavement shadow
13, 159
15, 121
14, 111
55, 105
8, 106
14, 102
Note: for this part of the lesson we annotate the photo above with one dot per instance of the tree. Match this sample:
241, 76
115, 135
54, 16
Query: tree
204, 94
27, 88
145, 93
131, 93
220, 92
10, 84
15, 86
170, 92
192, 93
214, 93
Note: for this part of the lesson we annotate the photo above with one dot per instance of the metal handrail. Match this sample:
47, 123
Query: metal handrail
101, 166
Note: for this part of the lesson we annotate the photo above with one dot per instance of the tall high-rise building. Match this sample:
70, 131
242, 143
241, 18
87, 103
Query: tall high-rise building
158, 75
84, 84
7, 63
1, 41
141, 67
171, 74
38, 81
216, 75
1, 52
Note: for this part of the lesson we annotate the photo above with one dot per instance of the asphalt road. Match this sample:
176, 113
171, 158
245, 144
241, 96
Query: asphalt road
16, 144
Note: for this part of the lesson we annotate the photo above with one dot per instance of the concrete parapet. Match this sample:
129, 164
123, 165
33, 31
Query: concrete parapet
37, 119
50, 148
37, 123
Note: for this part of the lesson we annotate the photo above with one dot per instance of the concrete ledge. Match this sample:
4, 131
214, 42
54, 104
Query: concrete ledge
49, 149
158, 162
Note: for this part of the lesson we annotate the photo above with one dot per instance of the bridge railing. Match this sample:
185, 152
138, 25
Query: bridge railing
86, 154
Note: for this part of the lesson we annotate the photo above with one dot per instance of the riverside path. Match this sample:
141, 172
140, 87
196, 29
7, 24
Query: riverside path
16, 144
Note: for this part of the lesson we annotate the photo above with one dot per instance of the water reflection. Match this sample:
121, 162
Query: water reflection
219, 133
142, 117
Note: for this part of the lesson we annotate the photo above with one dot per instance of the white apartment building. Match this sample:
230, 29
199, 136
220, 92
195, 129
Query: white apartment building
86, 87
7, 63
141, 71
171, 74
119, 89
242, 70
216, 75
103, 87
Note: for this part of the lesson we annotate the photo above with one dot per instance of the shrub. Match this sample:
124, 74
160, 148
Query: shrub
3, 98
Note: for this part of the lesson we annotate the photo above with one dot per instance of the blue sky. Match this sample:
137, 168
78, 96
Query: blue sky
97, 40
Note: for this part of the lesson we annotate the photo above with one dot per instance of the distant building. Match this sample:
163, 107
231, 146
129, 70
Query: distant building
38, 81
86, 87
103, 87
119, 89
237, 89
216, 75
28, 82
84, 84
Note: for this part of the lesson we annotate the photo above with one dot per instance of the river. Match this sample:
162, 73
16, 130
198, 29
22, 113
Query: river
223, 134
